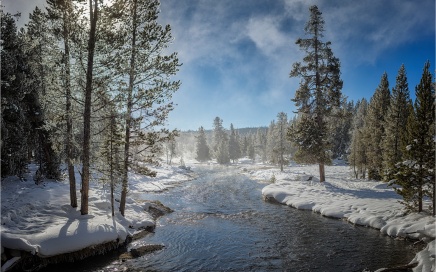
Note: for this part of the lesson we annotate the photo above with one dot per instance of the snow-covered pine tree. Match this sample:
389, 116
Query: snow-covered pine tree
271, 143
42, 56
202, 149
358, 147
234, 147
319, 91
170, 149
220, 142
415, 173
395, 124
110, 151
282, 144
251, 151
218, 134
340, 126
222, 153
144, 75
65, 25
375, 127
260, 144
244, 146
15, 126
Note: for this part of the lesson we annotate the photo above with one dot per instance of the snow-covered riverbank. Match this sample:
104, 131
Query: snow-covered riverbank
38, 218
366, 203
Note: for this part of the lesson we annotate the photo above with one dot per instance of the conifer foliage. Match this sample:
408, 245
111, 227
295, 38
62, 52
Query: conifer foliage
202, 149
415, 172
319, 92
374, 127
395, 124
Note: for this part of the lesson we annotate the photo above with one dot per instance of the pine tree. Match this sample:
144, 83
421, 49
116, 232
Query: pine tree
234, 148
282, 146
271, 143
395, 124
319, 91
222, 153
203, 152
15, 126
110, 151
340, 126
144, 75
251, 150
218, 134
375, 127
260, 144
415, 173
358, 147
65, 26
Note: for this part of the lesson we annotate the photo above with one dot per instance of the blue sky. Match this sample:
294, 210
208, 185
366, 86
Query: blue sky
237, 55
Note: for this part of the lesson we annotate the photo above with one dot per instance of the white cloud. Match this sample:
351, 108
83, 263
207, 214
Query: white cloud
265, 33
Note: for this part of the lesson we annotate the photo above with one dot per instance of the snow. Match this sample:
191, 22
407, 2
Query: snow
38, 218
360, 202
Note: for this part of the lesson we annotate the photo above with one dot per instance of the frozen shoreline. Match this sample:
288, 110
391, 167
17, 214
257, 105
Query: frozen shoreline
38, 220
364, 203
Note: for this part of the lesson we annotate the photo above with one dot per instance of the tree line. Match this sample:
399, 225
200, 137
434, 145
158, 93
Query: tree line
389, 138
393, 138
86, 84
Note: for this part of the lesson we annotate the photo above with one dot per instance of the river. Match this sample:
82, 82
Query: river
221, 223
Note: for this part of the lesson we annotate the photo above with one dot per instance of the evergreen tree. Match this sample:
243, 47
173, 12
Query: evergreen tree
415, 173
260, 144
244, 146
222, 154
15, 126
319, 91
218, 133
110, 152
282, 146
144, 78
340, 126
42, 56
358, 147
234, 148
375, 127
203, 153
65, 26
271, 143
93, 18
395, 124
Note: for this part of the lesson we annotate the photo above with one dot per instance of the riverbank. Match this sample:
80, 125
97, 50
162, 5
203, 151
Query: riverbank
366, 203
37, 220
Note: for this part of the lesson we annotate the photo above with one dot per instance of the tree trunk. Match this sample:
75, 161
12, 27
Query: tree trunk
434, 197
128, 116
87, 113
69, 140
111, 154
321, 172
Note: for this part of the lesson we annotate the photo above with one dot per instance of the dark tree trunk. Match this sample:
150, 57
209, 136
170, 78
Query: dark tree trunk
87, 113
128, 116
69, 140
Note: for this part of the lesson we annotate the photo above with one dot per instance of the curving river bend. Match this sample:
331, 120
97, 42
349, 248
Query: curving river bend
221, 223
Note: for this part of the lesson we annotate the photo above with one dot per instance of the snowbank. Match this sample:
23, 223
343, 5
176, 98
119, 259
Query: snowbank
366, 203
38, 218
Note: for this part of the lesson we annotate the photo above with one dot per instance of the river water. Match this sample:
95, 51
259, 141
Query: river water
221, 223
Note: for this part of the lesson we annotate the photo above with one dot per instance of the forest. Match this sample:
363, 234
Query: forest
89, 86
86, 92
78, 91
